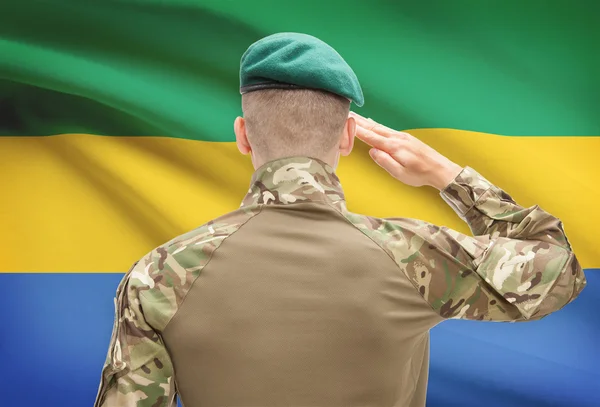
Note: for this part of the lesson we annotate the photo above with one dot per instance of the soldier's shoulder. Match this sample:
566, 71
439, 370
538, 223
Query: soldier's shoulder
402, 237
189, 251
220, 227
386, 229
163, 277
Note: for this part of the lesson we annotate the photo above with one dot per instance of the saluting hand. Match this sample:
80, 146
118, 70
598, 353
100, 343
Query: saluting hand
405, 157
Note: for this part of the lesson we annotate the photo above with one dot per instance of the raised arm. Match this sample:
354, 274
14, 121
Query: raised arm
518, 266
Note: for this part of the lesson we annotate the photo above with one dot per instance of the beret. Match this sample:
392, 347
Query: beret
294, 60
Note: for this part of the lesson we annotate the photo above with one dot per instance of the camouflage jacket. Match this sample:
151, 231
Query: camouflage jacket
518, 266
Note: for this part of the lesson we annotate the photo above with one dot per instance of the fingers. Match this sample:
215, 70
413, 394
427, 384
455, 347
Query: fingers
375, 140
390, 145
378, 128
385, 161
371, 125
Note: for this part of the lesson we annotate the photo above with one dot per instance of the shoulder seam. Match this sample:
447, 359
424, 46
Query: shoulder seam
390, 256
260, 207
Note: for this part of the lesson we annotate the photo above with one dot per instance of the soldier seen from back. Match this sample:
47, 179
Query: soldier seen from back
293, 300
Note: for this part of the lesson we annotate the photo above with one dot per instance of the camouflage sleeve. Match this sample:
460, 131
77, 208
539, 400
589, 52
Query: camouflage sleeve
138, 371
488, 210
518, 266
527, 267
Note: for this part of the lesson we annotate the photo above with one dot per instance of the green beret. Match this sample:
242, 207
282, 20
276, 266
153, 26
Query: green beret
293, 61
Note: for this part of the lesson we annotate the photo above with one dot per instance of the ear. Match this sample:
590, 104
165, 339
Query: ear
347, 140
241, 137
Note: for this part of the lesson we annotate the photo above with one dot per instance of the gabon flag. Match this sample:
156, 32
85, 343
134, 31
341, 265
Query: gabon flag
116, 135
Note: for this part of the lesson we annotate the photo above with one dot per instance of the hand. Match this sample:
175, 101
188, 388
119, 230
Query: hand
405, 157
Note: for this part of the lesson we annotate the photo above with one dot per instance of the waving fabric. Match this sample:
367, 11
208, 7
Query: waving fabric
116, 134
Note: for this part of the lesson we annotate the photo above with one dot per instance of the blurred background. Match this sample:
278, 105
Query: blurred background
116, 135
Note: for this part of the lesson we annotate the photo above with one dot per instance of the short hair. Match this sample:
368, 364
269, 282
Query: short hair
294, 122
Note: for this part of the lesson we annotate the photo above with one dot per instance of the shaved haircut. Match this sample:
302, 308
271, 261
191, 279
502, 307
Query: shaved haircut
294, 122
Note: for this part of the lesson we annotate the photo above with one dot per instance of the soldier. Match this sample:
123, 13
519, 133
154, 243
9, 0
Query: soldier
292, 300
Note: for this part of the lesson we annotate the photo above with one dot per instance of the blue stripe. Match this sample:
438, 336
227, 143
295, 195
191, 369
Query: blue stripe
56, 328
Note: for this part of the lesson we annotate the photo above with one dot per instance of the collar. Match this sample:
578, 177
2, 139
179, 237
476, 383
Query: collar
294, 179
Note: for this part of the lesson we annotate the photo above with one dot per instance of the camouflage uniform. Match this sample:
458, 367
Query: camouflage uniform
292, 300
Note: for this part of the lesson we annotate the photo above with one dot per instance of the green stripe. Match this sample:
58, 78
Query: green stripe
150, 67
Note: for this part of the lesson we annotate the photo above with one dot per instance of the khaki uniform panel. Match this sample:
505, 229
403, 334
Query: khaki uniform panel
300, 308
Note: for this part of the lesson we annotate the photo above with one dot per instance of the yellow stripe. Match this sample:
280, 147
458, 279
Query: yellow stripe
82, 203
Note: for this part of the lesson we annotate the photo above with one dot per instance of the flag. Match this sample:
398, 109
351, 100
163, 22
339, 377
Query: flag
117, 135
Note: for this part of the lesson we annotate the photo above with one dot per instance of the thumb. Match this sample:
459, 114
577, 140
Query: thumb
385, 161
